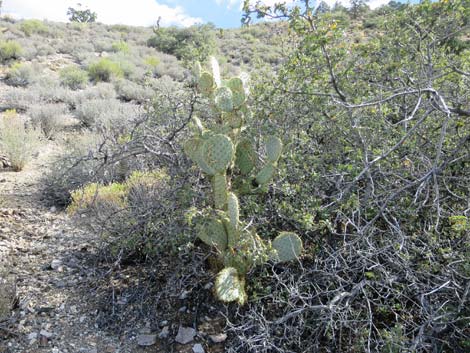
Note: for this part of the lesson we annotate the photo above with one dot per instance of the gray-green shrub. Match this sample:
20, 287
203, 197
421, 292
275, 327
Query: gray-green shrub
48, 117
73, 77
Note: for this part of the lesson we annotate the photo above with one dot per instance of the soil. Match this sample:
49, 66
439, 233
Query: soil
67, 302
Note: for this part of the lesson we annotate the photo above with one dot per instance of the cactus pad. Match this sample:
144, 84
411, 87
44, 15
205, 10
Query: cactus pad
223, 99
273, 148
234, 119
212, 232
245, 157
191, 147
287, 246
219, 188
206, 83
265, 174
229, 287
233, 209
217, 152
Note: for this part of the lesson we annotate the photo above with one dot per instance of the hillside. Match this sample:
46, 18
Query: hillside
297, 185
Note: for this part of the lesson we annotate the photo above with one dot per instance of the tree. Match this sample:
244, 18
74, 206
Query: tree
82, 16
323, 7
358, 7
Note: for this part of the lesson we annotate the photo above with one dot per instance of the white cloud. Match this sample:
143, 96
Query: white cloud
135, 12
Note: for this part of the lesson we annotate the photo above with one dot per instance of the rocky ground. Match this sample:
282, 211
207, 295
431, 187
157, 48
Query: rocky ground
49, 261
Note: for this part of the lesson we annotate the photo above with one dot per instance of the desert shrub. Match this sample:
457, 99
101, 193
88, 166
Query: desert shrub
9, 50
137, 218
120, 46
17, 140
79, 164
105, 113
20, 99
130, 91
49, 118
104, 70
73, 77
20, 74
33, 26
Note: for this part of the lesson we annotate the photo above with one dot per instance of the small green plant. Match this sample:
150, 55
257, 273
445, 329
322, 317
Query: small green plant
120, 46
96, 194
9, 50
222, 153
104, 70
73, 77
17, 141
30, 27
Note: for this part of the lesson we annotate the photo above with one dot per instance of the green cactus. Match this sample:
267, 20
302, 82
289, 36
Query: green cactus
216, 151
212, 232
287, 246
233, 209
206, 83
273, 148
223, 99
229, 287
219, 187
245, 157
265, 175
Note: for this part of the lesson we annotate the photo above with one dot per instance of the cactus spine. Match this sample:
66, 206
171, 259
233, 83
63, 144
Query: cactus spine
217, 151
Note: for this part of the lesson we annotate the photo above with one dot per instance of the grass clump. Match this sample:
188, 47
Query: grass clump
73, 77
10, 50
17, 141
104, 70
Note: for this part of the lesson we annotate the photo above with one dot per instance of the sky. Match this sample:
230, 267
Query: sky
182, 13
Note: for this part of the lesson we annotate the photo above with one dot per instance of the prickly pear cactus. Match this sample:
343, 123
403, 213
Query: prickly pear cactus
222, 153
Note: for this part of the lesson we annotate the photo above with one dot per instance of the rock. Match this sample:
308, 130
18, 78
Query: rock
184, 295
53, 209
164, 323
32, 336
219, 338
164, 333
56, 265
185, 335
46, 334
198, 348
144, 340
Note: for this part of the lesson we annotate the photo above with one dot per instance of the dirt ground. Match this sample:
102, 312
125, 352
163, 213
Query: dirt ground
47, 258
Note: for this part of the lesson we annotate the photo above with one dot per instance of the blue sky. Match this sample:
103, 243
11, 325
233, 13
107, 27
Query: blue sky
223, 13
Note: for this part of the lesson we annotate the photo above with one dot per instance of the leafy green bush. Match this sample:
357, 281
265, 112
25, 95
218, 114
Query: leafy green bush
104, 70
193, 43
30, 27
73, 77
17, 141
9, 50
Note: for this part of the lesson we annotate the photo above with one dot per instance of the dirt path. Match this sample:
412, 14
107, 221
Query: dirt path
42, 250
